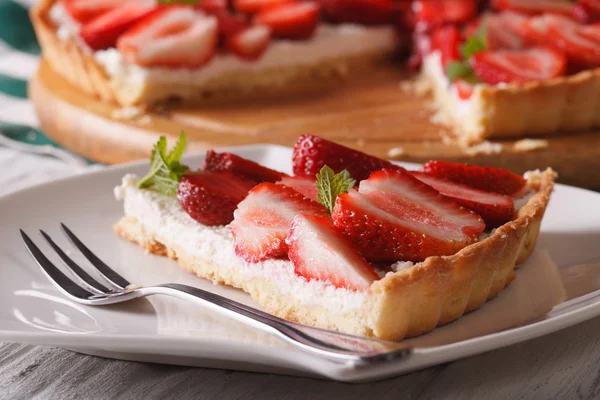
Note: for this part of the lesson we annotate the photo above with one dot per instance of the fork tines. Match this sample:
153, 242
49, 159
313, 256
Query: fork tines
84, 285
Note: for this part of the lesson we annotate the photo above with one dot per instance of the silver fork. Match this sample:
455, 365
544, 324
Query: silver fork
85, 289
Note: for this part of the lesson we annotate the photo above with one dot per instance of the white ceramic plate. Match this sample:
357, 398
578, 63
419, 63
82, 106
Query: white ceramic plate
165, 330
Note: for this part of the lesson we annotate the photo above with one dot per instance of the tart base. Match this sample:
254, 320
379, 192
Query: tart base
79, 67
403, 304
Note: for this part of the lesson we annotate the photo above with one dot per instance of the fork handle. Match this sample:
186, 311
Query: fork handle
334, 346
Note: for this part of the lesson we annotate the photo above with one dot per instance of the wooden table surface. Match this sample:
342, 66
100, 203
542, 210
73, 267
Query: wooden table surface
562, 365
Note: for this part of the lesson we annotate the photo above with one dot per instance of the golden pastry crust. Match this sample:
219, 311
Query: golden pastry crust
403, 304
559, 105
78, 66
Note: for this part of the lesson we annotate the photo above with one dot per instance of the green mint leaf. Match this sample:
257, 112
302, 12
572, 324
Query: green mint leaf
165, 170
475, 43
161, 146
177, 151
458, 69
330, 185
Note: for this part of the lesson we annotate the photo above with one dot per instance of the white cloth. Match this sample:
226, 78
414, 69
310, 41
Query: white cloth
20, 170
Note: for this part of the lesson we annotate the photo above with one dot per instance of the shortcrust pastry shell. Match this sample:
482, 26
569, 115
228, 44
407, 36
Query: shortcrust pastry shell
403, 304
557, 106
78, 66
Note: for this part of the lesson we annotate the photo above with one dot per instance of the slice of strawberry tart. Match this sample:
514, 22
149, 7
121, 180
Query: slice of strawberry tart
517, 68
144, 51
350, 242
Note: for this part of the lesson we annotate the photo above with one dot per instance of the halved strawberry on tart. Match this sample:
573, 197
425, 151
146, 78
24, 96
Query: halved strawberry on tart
144, 51
519, 68
373, 249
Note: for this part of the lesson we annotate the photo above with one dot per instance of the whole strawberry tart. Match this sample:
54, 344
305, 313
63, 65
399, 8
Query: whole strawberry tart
496, 69
350, 242
144, 51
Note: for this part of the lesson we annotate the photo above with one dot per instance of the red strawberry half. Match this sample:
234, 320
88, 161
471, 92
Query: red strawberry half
254, 6
213, 7
519, 66
102, 32
495, 180
263, 219
535, 7
364, 12
230, 24
86, 10
587, 11
250, 43
311, 153
211, 197
430, 14
304, 185
394, 216
495, 209
446, 40
174, 36
464, 89
506, 30
240, 166
318, 251
291, 21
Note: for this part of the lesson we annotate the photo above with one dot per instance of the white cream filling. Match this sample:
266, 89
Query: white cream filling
172, 226
329, 42
432, 67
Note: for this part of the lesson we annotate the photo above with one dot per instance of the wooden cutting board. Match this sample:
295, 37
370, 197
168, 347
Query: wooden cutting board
370, 113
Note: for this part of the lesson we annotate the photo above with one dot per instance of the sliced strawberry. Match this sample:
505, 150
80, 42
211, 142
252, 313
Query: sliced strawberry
464, 89
495, 209
211, 197
318, 251
304, 185
591, 32
173, 36
535, 7
255, 6
250, 43
446, 40
262, 220
213, 7
394, 216
240, 166
364, 12
506, 30
519, 66
495, 180
296, 21
311, 153
430, 14
577, 41
103, 31
405, 19
230, 24
472, 27
86, 10
587, 11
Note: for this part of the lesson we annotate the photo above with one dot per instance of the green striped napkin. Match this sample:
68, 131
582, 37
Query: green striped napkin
19, 52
